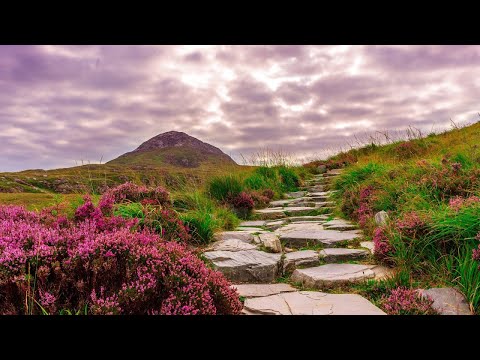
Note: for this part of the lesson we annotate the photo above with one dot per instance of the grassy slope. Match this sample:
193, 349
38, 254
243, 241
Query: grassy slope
421, 176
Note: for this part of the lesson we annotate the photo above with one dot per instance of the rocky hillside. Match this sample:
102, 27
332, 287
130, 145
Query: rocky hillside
174, 148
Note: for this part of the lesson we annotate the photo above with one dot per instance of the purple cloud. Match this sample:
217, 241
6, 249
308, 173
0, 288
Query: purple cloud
61, 104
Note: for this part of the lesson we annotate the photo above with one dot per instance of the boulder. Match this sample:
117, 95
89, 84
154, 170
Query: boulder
300, 258
381, 218
271, 242
447, 301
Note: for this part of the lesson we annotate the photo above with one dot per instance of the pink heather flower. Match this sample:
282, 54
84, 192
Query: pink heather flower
456, 167
382, 248
458, 202
410, 224
403, 301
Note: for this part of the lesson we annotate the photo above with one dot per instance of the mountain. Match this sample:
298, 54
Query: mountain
173, 148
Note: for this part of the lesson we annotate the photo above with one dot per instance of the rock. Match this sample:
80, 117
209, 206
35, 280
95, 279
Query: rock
246, 266
340, 225
299, 210
328, 238
310, 303
313, 218
300, 258
257, 290
447, 301
322, 193
324, 204
274, 225
381, 218
281, 203
296, 194
249, 229
321, 169
255, 223
232, 245
288, 250
271, 242
368, 244
270, 213
341, 254
240, 235
332, 274
310, 204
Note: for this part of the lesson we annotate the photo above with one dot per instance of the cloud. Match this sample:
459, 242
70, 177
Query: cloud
61, 104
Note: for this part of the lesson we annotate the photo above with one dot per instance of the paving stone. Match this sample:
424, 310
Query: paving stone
295, 259
270, 213
253, 223
339, 224
332, 274
332, 255
274, 225
232, 245
257, 290
328, 238
241, 235
447, 301
295, 194
310, 303
252, 266
250, 229
313, 218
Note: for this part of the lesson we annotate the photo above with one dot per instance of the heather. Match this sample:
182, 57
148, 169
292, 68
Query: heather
430, 188
125, 255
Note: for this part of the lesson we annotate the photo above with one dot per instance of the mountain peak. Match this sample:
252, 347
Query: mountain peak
176, 148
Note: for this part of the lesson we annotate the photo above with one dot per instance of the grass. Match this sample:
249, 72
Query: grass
420, 175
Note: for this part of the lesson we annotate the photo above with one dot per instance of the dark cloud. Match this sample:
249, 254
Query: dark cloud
61, 104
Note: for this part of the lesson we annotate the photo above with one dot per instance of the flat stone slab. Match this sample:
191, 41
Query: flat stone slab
249, 229
324, 203
299, 210
339, 224
332, 274
270, 213
328, 238
258, 290
311, 204
368, 244
341, 254
232, 245
254, 223
310, 303
281, 203
295, 259
313, 218
274, 225
447, 301
271, 242
296, 194
240, 235
251, 266
321, 193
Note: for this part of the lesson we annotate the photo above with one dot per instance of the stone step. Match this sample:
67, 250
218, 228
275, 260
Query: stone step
304, 258
337, 274
274, 224
295, 194
311, 204
333, 255
254, 223
252, 266
310, 303
339, 224
258, 290
315, 218
298, 235
368, 244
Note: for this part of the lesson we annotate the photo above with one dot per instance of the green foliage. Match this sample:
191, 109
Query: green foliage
289, 178
359, 174
202, 226
129, 210
223, 187
256, 182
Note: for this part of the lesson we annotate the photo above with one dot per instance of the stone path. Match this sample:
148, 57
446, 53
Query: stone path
298, 238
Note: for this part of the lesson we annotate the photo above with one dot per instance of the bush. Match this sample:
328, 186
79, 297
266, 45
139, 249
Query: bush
243, 204
289, 178
223, 188
104, 270
382, 248
403, 301
201, 225
255, 182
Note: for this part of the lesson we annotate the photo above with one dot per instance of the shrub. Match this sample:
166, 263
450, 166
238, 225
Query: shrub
243, 204
382, 247
403, 301
289, 178
107, 271
201, 225
135, 193
255, 182
269, 193
268, 173
411, 225
259, 199
223, 188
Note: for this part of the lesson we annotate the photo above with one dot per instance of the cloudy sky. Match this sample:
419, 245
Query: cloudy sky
62, 104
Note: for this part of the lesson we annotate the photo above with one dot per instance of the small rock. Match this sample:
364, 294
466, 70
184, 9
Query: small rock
288, 250
447, 301
252, 223
240, 235
271, 242
368, 244
322, 169
232, 245
381, 218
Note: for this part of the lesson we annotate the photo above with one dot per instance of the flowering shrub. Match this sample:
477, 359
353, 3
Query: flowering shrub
259, 199
382, 247
106, 269
269, 193
364, 211
166, 223
407, 150
411, 225
135, 193
243, 204
403, 301
458, 202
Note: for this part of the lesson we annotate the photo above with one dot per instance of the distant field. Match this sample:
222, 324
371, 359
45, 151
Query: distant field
36, 201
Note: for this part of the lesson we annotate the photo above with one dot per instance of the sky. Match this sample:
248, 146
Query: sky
61, 105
